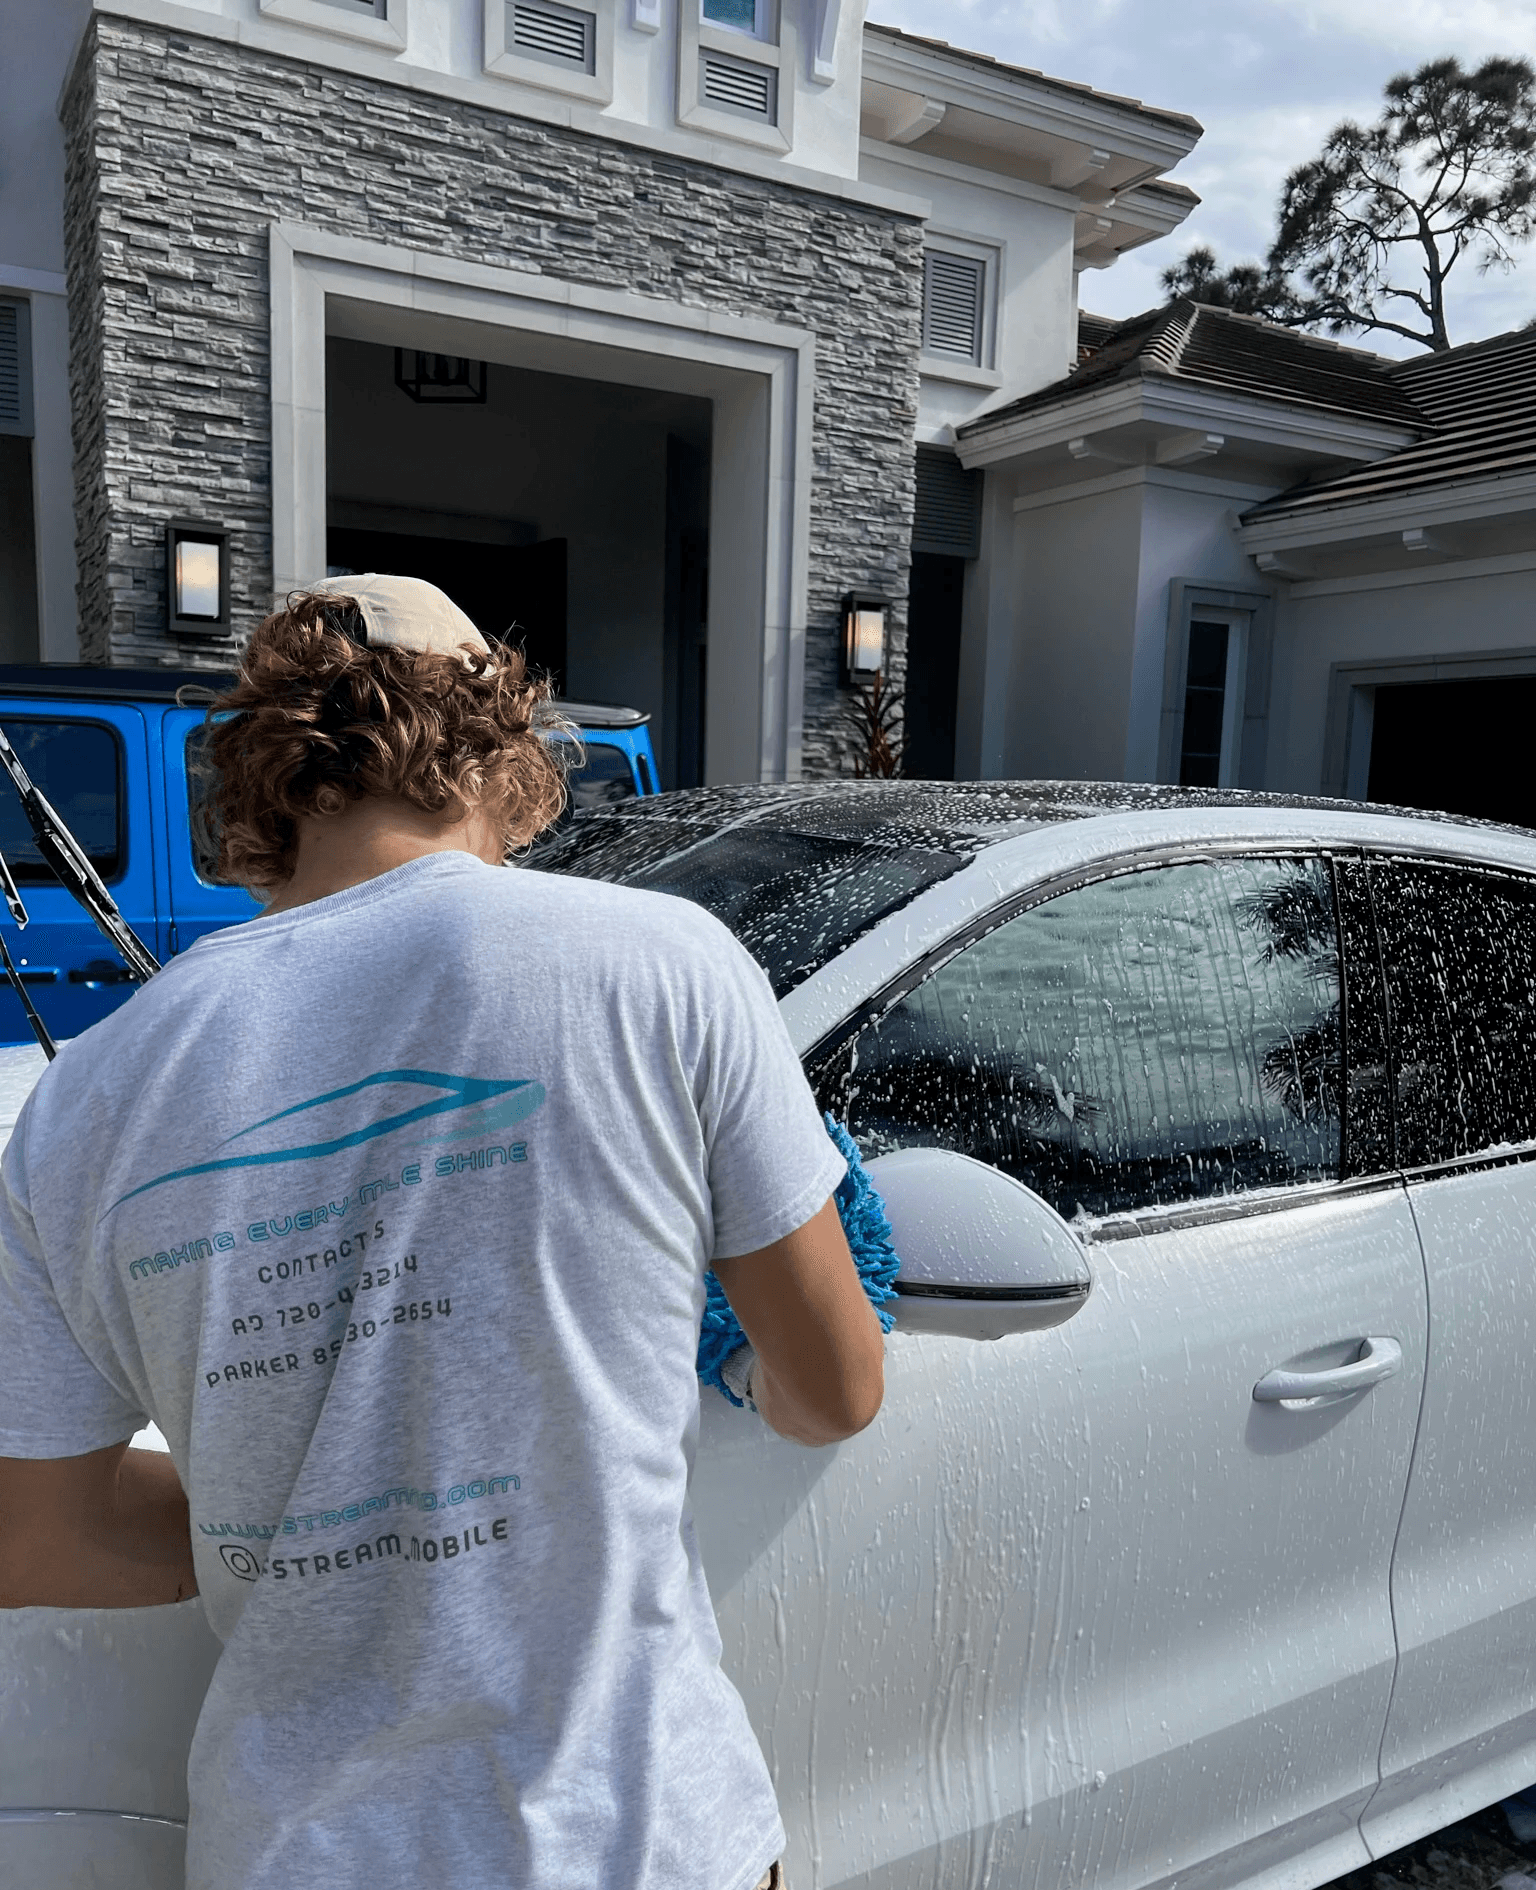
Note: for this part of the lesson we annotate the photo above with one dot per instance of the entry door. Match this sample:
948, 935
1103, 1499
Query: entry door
1460, 952
198, 903
1077, 1609
91, 763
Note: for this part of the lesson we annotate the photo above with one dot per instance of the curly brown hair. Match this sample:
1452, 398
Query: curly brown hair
317, 720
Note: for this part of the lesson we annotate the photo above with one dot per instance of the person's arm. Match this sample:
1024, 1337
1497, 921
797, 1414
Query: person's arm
820, 1371
106, 1530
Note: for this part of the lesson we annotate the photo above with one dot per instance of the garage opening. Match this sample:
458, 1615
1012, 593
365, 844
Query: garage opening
1456, 747
567, 515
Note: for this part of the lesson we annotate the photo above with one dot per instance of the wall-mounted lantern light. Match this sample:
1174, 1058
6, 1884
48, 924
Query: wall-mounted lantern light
863, 636
196, 578
442, 379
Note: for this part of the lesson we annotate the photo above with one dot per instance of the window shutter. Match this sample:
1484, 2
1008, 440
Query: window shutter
734, 85
952, 292
561, 36
948, 514
15, 368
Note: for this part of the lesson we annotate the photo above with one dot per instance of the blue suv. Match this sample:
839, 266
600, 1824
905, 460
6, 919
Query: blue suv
110, 749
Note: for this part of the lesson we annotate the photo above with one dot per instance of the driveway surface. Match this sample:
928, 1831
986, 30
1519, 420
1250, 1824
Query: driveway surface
1471, 1855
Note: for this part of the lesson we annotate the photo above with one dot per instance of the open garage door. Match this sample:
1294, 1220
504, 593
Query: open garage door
1456, 747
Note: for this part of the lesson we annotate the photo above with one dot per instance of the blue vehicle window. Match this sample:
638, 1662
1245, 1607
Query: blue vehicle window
205, 855
605, 777
78, 768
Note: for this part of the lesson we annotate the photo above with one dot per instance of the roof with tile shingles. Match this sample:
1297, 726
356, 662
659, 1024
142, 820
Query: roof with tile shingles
1189, 341
1479, 404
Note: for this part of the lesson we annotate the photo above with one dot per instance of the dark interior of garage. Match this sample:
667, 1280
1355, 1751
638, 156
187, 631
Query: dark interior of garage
1456, 747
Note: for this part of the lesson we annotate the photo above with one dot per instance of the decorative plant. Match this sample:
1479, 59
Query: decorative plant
874, 715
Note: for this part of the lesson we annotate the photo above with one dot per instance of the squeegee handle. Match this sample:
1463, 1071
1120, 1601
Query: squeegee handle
62, 852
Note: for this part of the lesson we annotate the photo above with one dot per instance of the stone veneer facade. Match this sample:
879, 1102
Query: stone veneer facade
183, 150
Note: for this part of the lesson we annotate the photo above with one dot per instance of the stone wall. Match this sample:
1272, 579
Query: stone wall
183, 150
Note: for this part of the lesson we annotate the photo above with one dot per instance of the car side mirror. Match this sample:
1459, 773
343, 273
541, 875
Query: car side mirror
981, 1255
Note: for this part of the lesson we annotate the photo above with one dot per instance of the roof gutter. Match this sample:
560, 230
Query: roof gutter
1414, 510
1181, 405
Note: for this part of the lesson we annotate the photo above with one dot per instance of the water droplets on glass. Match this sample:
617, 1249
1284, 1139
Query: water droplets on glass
1160, 1036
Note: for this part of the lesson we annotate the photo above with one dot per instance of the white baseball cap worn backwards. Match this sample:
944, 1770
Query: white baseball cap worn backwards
406, 613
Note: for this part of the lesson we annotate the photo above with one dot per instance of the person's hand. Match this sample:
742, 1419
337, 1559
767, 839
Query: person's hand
819, 1370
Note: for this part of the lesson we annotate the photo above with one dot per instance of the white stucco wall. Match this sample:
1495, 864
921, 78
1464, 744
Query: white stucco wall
1034, 318
1075, 578
1451, 611
1186, 533
1092, 567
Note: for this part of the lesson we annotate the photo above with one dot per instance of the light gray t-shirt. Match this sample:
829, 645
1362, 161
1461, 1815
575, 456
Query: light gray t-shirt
393, 1213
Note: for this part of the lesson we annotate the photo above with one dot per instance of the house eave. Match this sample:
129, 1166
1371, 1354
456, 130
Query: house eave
1002, 122
1034, 104
1162, 402
1463, 502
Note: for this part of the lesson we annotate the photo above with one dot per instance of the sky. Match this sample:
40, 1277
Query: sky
1268, 79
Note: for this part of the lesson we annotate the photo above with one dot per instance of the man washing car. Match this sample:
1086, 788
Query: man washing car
392, 1209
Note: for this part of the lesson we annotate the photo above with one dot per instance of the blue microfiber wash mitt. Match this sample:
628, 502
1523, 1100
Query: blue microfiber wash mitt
862, 1213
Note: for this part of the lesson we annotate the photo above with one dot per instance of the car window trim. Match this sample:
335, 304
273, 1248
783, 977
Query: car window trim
1118, 866
1229, 1207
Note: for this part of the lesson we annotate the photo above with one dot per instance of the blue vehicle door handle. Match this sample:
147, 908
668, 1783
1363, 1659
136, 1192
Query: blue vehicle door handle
1379, 1358
39, 974
98, 972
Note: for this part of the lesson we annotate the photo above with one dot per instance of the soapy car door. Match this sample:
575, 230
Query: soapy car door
1079, 1607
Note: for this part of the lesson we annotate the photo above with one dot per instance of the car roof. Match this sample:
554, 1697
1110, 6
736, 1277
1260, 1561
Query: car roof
603, 714
99, 683
963, 816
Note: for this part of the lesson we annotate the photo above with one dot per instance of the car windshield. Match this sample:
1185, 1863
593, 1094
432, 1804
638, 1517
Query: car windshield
796, 873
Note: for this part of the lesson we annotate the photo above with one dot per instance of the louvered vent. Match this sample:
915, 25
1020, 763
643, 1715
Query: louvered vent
378, 8
562, 36
15, 407
732, 85
952, 292
948, 515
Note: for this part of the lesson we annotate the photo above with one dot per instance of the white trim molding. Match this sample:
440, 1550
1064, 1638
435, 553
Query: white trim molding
505, 60
774, 57
1474, 501
1249, 617
760, 377
1182, 407
326, 16
18, 281
1351, 713
824, 44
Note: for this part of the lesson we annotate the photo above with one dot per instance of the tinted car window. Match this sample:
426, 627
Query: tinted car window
1157, 1037
77, 767
605, 777
1459, 948
201, 817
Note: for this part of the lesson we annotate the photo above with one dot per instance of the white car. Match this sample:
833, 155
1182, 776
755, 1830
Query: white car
1196, 1541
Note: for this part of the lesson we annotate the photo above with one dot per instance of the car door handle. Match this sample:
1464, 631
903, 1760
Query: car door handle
100, 971
39, 974
1379, 1358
